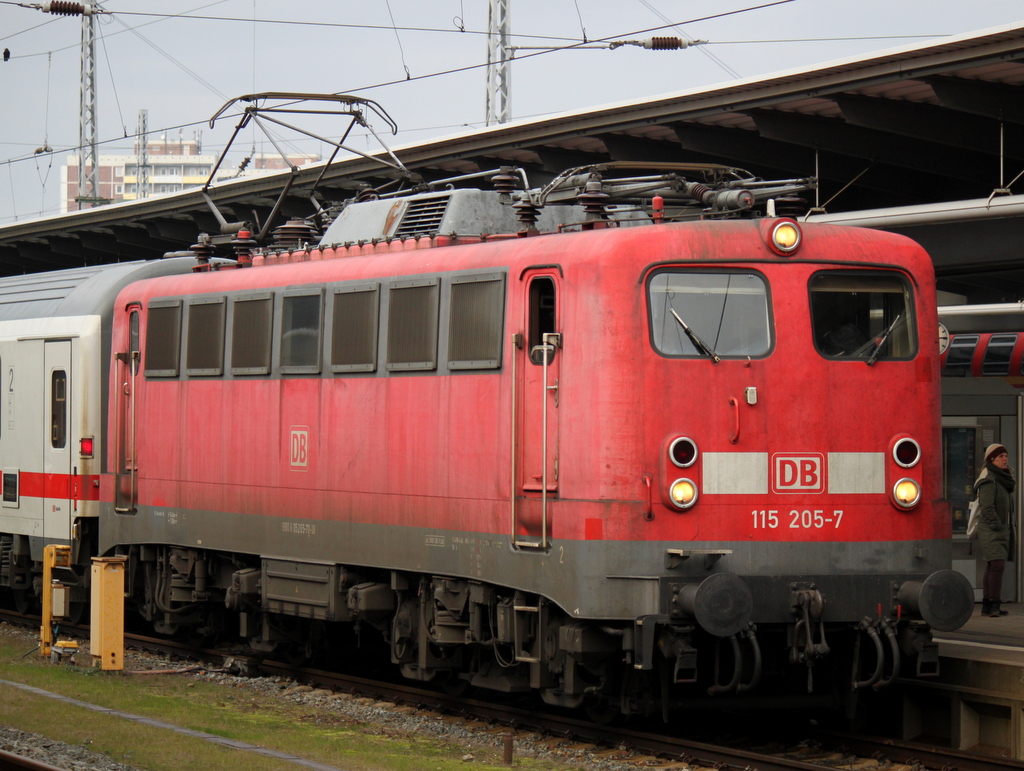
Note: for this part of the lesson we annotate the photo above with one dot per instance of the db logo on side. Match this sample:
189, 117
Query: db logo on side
299, 448
798, 473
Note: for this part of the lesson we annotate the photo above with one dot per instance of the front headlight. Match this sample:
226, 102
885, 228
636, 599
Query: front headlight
683, 493
907, 493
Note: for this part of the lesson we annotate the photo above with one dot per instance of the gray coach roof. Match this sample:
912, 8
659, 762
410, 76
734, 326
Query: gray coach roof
78, 291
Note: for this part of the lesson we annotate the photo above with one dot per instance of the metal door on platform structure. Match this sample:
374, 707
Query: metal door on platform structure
964, 439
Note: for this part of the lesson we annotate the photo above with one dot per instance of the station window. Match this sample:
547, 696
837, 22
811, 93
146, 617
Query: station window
204, 349
959, 355
163, 338
858, 315
475, 323
252, 320
412, 325
300, 333
354, 329
726, 312
58, 409
997, 354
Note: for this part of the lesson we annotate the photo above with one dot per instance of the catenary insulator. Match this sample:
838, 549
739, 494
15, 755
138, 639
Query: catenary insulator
63, 8
664, 44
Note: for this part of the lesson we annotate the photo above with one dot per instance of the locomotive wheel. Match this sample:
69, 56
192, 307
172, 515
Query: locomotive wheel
601, 710
76, 612
24, 600
455, 686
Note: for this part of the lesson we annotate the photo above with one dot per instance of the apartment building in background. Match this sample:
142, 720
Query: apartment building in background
174, 165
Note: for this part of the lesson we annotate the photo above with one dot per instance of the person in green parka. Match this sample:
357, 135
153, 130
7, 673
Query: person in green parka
994, 487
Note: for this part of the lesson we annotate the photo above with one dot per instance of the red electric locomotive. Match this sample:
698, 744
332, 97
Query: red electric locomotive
626, 464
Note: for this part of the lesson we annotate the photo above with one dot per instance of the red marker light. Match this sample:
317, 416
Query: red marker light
87, 446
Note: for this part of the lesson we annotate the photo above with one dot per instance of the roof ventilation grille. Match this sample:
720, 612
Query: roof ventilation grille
423, 217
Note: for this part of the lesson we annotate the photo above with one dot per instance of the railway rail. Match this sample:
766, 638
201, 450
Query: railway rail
814, 751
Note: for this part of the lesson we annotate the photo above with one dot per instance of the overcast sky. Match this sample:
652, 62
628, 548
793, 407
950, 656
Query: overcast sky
420, 59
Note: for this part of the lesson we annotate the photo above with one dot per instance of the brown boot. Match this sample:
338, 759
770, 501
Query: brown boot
995, 612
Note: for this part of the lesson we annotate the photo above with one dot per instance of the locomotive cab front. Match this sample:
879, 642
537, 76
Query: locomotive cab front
792, 408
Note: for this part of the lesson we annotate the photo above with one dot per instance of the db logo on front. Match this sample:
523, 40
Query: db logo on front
299, 448
793, 473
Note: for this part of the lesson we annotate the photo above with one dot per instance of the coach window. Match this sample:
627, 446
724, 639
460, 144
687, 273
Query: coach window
412, 325
204, 349
163, 338
251, 332
959, 355
726, 313
863, 316
475, 322
997, 355
58, 409
354, 328
300, 332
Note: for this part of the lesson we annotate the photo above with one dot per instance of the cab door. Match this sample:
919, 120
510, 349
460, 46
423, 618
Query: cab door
57, 450
539, 368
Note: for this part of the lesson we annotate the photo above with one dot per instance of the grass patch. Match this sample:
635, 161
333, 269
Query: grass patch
234, 713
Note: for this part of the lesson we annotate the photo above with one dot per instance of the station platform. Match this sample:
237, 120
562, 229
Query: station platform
976, 702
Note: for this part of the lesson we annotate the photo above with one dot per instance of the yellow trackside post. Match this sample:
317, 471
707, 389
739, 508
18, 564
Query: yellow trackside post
106, 644
53, 557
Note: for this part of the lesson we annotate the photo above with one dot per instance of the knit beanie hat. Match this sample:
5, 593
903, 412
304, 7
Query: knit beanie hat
992, 451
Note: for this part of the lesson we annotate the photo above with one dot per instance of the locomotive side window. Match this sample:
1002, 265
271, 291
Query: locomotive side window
997, 355
475, 323
300, 333
542, 317
58, 409
354, 329
204, 348
726, 314
412, 325
866, 316
163, 339
251, 331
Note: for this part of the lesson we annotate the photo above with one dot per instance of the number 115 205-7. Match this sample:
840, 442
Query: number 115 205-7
769, 519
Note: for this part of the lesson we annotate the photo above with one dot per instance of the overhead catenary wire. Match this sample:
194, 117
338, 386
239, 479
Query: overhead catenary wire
394, 27
471, 67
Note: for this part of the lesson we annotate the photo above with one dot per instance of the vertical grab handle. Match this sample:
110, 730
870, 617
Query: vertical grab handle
736, 419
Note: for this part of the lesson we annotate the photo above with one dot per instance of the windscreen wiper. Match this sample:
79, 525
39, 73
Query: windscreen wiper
697, 342
881, 341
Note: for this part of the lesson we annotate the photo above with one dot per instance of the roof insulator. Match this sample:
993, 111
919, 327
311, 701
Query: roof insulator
293, 234
504, 181
593, 198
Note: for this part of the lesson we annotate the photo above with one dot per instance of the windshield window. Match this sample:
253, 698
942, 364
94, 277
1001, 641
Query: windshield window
726, 312
862, 316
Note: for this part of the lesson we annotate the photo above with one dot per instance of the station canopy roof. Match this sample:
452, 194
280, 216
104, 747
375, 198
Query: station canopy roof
914, 139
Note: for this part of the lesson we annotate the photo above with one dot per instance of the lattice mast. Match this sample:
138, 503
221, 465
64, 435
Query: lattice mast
499, 62
142, 157
88, 159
